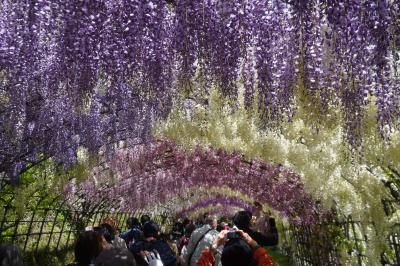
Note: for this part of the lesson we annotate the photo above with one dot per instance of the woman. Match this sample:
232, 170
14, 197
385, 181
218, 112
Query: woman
88, 246
238, 249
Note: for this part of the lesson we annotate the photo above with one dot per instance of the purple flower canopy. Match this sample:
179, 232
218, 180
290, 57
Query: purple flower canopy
156, 173
216, 201
219, 211
90, 73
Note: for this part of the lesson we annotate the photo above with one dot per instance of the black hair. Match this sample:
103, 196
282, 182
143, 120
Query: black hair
271, 222
144, 219
242, 219
219, 227
185, 222
237, 253
150, 229
132, 222
87, 247
107, 232
189, 229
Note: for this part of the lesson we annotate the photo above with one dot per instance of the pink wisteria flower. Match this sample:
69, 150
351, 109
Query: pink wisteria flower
162, 171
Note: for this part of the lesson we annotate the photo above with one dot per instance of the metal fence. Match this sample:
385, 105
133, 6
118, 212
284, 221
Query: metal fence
325, 243
48, 224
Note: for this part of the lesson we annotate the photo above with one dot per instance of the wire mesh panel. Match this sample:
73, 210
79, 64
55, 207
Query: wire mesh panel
51, 228
324, 244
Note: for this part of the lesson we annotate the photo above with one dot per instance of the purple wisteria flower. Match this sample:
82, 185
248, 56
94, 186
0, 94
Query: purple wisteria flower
92, 73
156, 173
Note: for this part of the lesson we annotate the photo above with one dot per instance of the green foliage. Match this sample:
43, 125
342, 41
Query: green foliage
36, 205
43, 257
279, 258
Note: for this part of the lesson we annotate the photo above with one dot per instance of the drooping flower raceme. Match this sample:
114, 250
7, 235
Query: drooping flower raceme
92, 73
214, 202
147, 175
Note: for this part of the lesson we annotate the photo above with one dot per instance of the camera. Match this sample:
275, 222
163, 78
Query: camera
233, 235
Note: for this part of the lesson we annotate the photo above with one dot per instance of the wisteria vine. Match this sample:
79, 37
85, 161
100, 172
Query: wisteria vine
214, 202
147, 175
91, 73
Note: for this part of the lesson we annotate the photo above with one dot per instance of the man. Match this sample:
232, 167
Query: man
242, 220
152, 242
134, 232
144, 219
200, 239
238, 249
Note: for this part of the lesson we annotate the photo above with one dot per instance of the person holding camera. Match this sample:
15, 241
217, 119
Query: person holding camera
237, 248
242, 220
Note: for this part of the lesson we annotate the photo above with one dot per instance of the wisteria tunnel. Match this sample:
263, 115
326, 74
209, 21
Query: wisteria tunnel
183, 110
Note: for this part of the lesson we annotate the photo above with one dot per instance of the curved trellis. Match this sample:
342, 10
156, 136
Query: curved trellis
215, 202
217, 210
193, 195
147, 175
85, 74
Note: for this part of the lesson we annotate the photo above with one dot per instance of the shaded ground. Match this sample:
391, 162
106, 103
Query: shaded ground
279, 258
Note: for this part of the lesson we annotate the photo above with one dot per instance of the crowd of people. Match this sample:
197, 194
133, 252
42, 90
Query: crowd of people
208, 241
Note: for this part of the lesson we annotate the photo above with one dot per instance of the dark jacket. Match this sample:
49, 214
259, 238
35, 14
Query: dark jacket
167, 255
263, 240
133, 234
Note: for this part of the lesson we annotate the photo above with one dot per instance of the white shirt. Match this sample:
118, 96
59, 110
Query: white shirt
203, 244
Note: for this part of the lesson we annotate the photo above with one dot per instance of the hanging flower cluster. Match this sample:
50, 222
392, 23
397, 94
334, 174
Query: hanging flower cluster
218, 210
147, 175
214, 202
90, 73
196, 195
330, 171
70, 73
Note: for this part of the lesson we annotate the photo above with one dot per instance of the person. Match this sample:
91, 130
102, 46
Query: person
87, 247
238, 249
110, 236
118, 242
186, 221
184, 241
177, 230
144, 219
104, 243
202, 221
222, 226
134, 232
115, 256
260, 221
200, 239
10, 255
271, 226
151, 242
242, 220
